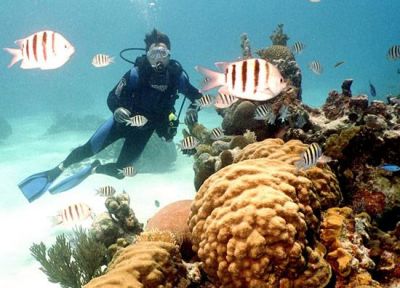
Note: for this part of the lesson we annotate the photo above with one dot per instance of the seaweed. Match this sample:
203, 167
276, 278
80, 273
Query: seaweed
71, 262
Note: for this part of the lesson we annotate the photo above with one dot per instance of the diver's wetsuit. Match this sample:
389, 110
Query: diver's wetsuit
143, 91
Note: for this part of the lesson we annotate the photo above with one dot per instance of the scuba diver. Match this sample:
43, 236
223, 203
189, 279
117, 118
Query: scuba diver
150, 89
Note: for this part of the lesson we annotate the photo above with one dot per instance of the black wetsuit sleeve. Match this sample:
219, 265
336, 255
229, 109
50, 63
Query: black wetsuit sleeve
121, 94
188, 89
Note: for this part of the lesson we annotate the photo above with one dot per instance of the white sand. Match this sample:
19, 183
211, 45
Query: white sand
26, 152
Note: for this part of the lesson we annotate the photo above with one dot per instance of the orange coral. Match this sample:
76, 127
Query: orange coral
249, 221
144, 264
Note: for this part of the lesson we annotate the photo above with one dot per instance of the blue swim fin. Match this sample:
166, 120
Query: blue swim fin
35, 185
73, 180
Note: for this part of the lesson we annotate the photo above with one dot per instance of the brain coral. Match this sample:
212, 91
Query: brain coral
249, 222
145, 264
324, 180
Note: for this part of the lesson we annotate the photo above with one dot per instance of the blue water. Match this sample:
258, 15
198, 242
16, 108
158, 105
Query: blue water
201, 32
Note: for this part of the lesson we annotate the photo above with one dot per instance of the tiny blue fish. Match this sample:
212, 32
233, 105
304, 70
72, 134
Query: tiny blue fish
372, 89
390, 167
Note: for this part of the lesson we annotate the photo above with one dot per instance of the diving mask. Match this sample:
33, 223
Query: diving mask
158, 56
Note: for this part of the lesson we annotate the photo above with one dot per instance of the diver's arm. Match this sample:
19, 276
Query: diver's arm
193, 94
120, 95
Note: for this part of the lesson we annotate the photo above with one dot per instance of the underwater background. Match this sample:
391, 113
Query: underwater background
201, 33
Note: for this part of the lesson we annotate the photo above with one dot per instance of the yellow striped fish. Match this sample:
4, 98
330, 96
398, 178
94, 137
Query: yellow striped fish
45, 50
253, 79
102, 60
189, 143
309, 157
73, 214
106, 191
217, 133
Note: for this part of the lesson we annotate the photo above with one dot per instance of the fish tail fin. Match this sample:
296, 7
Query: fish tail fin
112, 59
55, 220
16, 55
211, 80
299, 164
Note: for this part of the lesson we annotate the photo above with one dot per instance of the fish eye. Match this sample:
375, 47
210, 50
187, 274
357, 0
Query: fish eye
281, 80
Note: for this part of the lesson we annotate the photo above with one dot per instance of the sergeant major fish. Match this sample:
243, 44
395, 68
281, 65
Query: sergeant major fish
253, 79
297, 47
223, 101
102, 60
205, 101
136, 121
264, 112
189, 143
128, 171
309, 157
73, 214
394, 52
217, 133
316, 67
45, 50
106, 191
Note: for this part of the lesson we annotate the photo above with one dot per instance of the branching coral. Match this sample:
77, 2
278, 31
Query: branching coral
71, 263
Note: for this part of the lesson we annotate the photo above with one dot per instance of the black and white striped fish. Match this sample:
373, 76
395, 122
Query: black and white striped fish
205, 101
309, 157
106, 191
265, 113
298, 47
136, 121
223, 101
394, 52
253, 79
102, 60
189, 143
72, 214
217, 133
316, 67
128, 171
45, 50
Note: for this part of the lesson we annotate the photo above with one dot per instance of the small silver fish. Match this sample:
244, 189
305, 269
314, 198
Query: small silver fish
217, 133
106, 191
73, 214
284, 113
205, 101
223, 101
338, 64
102, 60
297, 47
264, 112
316, 67
128, 171
136, 121
309, 157
189, 143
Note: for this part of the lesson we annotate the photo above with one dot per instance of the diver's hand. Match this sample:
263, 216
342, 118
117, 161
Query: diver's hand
121, 115
191, 117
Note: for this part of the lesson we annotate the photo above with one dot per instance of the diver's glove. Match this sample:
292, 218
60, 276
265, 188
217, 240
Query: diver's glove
121, 115
192, 116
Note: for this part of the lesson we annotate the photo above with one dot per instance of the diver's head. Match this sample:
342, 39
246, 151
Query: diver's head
157, 49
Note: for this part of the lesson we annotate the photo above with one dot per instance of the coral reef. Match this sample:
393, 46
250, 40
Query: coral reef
278, 37
117, 227
245, 45
5, 129
345, 249
148, 262
249, 223
174, 218
71, 263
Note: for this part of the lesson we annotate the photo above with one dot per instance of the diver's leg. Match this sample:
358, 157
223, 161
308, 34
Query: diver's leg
104, 136
133, 146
